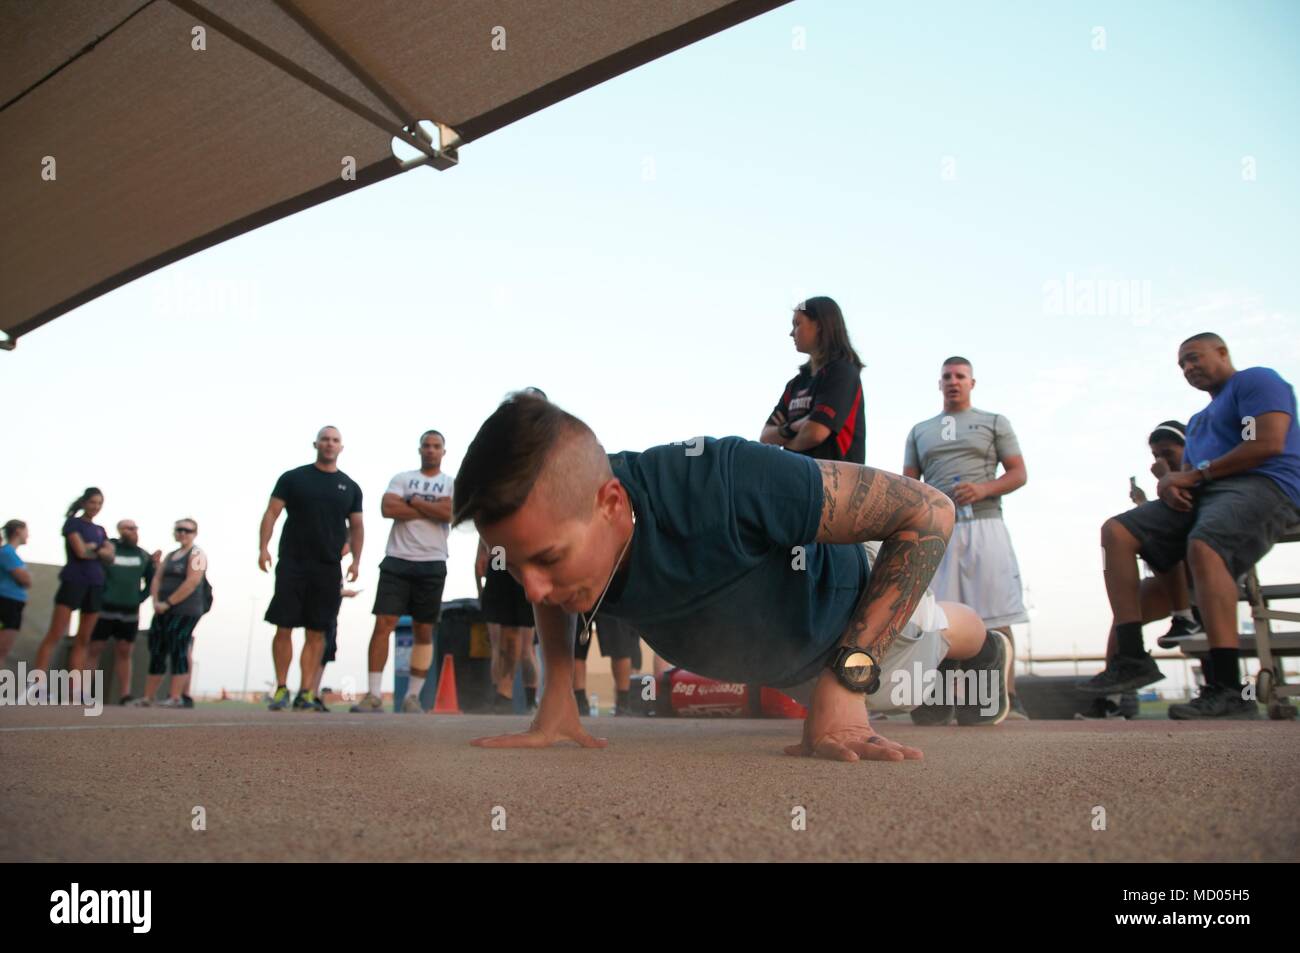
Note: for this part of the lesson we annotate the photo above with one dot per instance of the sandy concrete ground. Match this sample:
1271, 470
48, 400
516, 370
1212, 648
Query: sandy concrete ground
289, 786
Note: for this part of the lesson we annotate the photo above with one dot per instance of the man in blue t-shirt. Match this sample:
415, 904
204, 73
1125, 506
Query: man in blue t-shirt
734, 559
1238, 491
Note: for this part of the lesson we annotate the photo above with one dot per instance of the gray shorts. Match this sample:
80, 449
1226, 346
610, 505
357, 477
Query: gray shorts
1239, 517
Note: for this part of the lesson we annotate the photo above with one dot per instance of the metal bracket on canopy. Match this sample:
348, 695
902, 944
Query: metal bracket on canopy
444, 154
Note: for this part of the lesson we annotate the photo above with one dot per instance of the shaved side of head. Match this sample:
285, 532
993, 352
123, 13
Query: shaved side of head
575, 469
529, 449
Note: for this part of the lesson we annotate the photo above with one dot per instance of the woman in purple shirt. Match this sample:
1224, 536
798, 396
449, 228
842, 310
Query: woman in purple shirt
81, 582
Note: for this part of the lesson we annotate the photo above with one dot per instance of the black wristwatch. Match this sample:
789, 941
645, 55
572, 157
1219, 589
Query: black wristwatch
857, 669
787, 431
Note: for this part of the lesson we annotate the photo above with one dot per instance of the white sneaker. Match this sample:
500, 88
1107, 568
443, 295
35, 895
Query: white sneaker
368, 703
141, 702
411, 705
170, 703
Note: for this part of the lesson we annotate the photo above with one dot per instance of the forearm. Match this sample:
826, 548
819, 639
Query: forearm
557, 647
356, 538
1246, 456
771, 434
182, 592
439, 509
399, 510
1009, 482
913, 520
264, 531
808, 434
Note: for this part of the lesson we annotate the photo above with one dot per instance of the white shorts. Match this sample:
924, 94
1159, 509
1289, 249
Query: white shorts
980, 570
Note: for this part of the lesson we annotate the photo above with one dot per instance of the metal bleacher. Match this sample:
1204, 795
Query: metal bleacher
1271, 687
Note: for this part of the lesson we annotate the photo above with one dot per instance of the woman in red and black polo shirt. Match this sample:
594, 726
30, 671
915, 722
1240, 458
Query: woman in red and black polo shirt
822, 414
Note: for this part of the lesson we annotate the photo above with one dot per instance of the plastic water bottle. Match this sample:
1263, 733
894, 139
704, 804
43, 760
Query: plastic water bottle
966, 511
595, 705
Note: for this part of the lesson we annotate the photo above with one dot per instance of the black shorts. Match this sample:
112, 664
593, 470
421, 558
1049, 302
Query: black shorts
307, 595
504, 602
1239, 517
80, 596
411, 588
112, 626
618, 639
11, 614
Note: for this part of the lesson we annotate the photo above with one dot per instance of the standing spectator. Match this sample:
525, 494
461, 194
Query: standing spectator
81, 581
177, 591
509, 618
821, 412
126, 586
958, 452
324, 512
15, 580
414, 570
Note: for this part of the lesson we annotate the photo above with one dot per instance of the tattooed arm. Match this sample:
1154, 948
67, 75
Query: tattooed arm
913, 520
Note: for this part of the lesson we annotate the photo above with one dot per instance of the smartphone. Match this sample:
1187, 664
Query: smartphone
1132, 483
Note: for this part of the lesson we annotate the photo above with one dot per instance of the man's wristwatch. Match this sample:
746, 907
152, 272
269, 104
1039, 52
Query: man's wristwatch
1204, 469
857, 669
787, 431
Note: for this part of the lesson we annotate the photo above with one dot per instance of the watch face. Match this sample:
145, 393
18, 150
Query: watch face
858, 667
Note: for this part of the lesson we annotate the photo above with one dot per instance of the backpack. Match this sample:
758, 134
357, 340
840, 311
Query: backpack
207, 594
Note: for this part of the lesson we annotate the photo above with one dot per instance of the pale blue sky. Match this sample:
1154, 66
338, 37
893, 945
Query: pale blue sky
636, 250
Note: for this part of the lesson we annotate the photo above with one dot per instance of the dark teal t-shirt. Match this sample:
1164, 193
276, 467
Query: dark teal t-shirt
713, 581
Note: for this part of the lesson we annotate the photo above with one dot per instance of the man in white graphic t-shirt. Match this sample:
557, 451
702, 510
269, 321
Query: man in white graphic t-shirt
414, 569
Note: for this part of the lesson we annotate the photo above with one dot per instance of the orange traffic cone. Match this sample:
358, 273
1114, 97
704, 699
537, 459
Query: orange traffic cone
445, 702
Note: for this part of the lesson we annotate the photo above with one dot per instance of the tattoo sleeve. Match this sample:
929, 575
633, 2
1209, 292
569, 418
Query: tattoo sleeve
913, 521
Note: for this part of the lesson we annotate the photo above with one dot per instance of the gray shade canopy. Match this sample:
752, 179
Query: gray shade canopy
123, 147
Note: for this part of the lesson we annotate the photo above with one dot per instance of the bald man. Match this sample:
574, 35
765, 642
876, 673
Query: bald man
1237, 491
734, 559
324, 507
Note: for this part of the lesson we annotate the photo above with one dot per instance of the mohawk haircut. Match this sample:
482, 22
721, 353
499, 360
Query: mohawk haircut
528, 440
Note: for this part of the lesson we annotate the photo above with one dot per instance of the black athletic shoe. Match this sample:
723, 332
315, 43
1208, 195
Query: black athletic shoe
280, 700
1123, 674
187, 702
992, 702
938, 709
126, 699
1179, 631
1216, 701
319, 704
303, 702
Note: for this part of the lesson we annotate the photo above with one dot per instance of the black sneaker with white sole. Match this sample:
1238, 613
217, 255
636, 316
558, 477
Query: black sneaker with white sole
1216, 701
1179, 631
1123, 674
991, 668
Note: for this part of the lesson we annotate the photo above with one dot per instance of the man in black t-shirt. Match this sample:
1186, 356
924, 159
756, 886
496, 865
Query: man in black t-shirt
324, 513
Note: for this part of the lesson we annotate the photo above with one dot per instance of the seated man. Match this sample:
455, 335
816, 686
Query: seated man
733, 559
1237, 491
